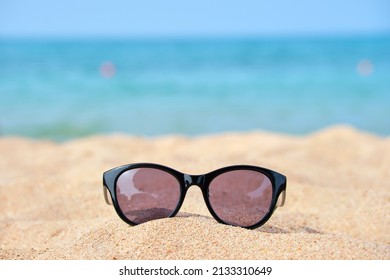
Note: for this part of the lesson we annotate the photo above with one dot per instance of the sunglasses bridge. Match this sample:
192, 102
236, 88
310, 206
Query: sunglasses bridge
194, 180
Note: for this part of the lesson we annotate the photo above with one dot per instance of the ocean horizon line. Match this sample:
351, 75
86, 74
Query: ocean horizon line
196, 37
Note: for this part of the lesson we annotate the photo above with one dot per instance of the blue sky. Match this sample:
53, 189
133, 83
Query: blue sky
48, 18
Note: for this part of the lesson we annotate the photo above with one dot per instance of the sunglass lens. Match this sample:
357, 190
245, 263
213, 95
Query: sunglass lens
146, 194
241, 197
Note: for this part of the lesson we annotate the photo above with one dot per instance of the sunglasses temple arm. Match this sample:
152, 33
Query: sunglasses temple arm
281, 199
107, 196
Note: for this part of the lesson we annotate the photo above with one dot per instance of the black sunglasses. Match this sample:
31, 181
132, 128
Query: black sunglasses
240, 195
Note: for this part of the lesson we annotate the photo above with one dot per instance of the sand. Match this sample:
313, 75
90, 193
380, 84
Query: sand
337, 207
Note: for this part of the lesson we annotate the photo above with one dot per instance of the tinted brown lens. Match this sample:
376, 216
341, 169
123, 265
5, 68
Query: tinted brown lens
146, 194
241, 197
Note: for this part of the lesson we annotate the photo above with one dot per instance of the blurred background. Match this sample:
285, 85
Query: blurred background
76, 68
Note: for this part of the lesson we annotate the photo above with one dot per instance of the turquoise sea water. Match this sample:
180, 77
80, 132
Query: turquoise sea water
60, 89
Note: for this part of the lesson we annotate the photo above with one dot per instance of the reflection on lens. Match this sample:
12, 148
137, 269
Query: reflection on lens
241, 197
146, 194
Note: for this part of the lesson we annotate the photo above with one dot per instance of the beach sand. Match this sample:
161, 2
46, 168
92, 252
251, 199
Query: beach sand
337, 206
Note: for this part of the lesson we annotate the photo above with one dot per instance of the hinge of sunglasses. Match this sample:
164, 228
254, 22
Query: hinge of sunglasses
281, 199
107, 196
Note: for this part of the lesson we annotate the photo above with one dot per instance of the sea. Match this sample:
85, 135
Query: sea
60, 89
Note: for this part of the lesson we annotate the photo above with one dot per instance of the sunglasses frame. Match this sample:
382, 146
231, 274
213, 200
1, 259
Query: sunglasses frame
279, 182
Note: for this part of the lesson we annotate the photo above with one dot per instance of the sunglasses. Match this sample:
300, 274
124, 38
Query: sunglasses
240, 195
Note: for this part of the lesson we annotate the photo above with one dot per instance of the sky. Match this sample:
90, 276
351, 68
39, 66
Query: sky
124, 18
